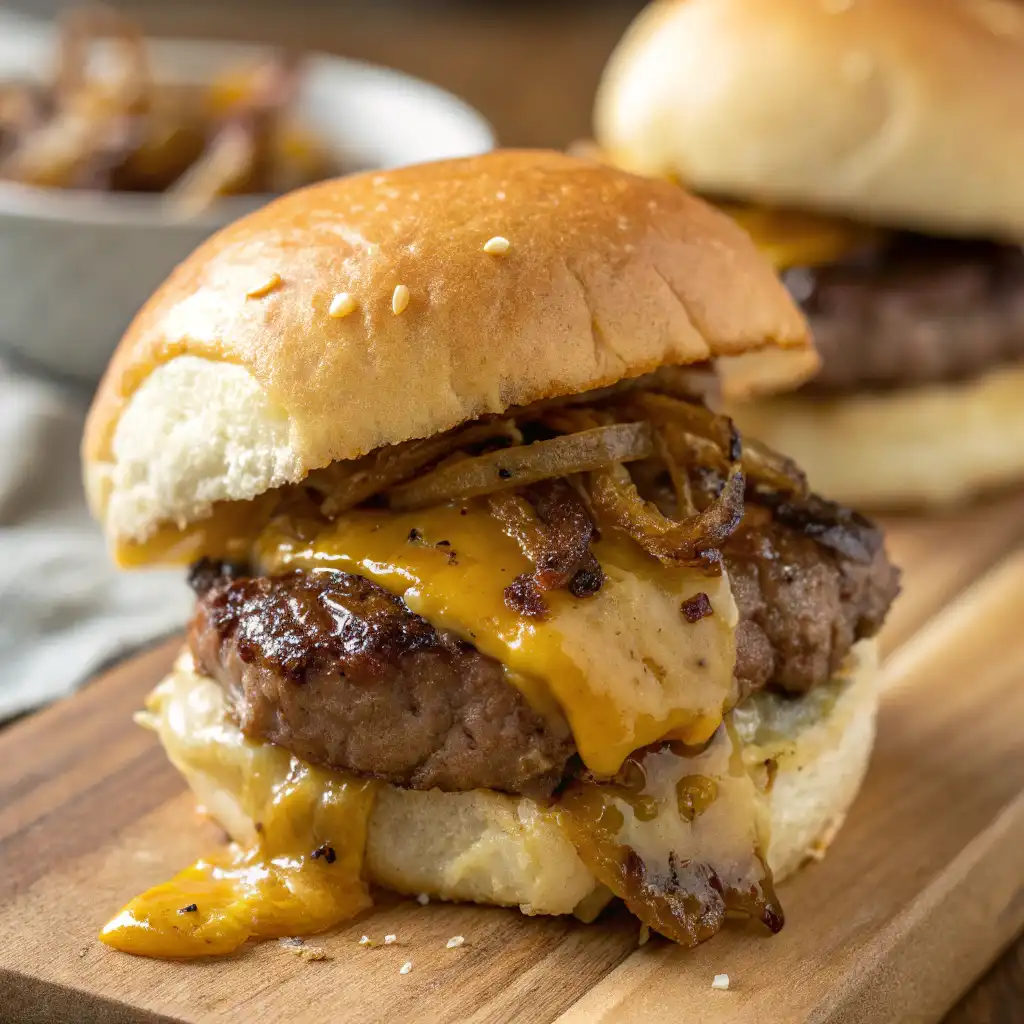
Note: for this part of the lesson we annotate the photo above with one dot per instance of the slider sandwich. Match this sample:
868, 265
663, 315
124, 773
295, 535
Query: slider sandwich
490, 604
873, 149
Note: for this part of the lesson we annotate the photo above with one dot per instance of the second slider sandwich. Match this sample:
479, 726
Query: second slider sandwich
873, 149
490, 605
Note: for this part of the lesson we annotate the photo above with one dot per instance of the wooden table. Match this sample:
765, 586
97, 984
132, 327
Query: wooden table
531, 68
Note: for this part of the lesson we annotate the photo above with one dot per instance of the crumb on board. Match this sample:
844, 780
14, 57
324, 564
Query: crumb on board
455, 941
299, 948
423, 899
406, 967
721, 982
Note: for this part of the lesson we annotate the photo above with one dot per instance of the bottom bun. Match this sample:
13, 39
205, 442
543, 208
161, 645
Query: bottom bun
488, 847
932, 445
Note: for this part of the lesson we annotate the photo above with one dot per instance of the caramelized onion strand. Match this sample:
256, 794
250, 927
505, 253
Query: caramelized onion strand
523, 465
679, 834
679, 418
344, 485
554, 533
692, 541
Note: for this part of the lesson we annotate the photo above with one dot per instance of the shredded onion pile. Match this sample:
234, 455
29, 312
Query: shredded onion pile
117, 126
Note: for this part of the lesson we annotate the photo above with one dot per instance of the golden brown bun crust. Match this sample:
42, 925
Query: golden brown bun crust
907, 113
925, 447
607, 276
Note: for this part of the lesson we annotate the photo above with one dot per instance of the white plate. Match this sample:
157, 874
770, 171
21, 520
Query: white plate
76, 266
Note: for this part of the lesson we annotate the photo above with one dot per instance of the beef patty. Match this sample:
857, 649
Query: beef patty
340, 672
337, 670
803, 602
915, 310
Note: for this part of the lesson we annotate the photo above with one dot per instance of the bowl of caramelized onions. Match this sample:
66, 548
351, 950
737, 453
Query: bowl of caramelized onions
120, 154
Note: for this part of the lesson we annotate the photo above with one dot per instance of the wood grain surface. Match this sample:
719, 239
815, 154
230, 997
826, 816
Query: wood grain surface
921, 891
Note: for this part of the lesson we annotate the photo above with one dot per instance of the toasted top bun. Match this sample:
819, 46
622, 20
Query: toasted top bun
246, 370
907, 113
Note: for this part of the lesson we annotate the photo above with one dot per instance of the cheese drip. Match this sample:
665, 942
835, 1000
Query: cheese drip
301, 872
680, 835
624, 666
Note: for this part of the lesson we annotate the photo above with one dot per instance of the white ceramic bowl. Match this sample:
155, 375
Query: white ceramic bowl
76, 266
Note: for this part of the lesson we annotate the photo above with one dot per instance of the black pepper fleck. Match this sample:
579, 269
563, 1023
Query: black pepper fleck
443, 544
325, 851
414, 535
505, 474
190, 909
258, 826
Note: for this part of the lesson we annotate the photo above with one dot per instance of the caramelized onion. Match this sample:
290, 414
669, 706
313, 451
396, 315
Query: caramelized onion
519, 521
567, 530
688, 416
694, 431
121, 129
344, 485
678, 835
690, 541
588, 578
768, 468
526, 464
680, 481
554, 533
524, 597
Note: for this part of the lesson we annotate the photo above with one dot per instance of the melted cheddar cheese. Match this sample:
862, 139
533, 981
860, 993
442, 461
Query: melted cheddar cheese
696, 822
624, 666
299, 871
226, 533
791, 239
692, 817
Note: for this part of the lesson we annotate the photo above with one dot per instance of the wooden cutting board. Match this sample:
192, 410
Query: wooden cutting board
922, 889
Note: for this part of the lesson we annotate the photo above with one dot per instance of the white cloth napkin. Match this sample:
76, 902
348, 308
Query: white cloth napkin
65, 611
